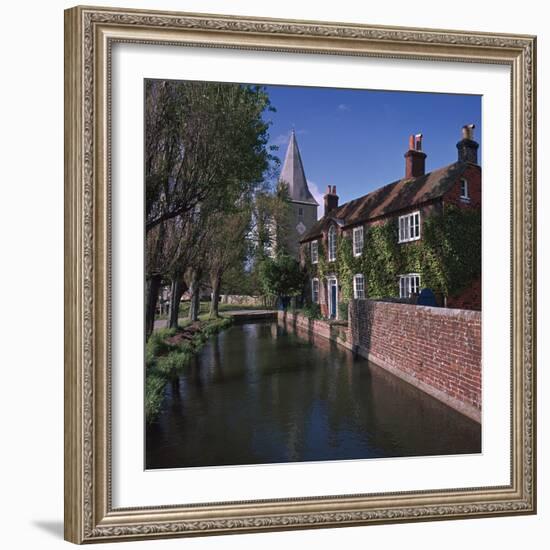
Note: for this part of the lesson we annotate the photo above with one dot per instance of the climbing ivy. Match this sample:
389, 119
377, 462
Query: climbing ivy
347, 265
447, 257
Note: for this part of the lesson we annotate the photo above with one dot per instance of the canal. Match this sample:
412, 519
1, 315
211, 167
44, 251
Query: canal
258, 394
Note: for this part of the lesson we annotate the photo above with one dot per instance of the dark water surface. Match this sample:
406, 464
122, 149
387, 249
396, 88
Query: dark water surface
259, 394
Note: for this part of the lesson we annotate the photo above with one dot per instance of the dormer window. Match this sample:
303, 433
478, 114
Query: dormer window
358, 241
409, 227
464, 191
332, 244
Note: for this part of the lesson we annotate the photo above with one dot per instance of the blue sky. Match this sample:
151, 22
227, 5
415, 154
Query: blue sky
356, 139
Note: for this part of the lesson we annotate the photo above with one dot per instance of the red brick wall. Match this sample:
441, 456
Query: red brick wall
311, 328
470, 298
473, 176
436, 349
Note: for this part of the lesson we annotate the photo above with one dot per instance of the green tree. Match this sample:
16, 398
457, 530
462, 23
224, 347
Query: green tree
204, 141
205, 150
227, 246
281, 276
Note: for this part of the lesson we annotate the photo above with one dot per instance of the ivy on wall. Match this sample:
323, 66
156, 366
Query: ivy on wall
447, 257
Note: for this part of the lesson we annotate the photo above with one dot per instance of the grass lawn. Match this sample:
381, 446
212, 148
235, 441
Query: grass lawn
169, 351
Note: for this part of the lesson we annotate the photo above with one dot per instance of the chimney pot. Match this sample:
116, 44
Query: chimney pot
468, 131
467, 147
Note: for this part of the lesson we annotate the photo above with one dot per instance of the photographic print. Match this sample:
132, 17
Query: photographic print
276, 271
313, 274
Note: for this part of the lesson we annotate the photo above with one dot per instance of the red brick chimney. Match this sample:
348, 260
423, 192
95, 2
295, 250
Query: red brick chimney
467, 147
331, 199
415, 159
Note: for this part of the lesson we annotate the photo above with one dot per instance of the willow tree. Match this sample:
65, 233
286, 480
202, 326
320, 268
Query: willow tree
228, 247
205, 143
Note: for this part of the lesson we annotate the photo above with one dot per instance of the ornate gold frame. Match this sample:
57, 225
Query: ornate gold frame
89, 34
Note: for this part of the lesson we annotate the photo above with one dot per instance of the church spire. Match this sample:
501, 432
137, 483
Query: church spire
293, 173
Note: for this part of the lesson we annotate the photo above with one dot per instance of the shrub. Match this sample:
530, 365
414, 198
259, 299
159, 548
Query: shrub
312, 311
343, 311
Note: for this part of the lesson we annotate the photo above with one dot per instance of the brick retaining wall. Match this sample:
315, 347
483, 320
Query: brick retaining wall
309, 328
437, 350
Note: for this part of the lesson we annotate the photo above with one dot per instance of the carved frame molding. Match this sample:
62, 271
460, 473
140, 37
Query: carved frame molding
89, 35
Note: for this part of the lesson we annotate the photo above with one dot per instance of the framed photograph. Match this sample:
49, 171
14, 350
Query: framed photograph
299, 278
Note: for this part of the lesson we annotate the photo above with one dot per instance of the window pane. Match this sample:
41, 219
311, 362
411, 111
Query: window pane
314, 253
332, 244
358, 286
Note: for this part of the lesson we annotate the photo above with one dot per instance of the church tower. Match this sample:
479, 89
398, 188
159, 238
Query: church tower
303, 205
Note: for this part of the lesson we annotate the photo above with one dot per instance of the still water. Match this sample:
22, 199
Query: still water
259, 394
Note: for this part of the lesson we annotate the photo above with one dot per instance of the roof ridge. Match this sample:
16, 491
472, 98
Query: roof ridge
397, 181
393, 197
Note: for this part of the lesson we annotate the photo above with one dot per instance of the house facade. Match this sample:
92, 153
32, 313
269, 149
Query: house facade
422, 231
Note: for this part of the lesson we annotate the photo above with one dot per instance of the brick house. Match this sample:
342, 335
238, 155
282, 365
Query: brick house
405, 205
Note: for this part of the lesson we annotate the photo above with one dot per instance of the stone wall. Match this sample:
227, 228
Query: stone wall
436, 349
241, 300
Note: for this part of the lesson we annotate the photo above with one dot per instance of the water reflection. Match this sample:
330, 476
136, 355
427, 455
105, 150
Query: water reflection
258, 394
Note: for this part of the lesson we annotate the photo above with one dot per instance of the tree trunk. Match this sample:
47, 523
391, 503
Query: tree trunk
176, 292
195, 304
151, 299
214, 305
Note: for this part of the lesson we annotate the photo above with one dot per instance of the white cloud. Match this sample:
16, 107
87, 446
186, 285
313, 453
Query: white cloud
344, 107
318, 196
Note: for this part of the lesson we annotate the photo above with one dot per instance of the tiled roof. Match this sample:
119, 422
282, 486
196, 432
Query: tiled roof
400, 194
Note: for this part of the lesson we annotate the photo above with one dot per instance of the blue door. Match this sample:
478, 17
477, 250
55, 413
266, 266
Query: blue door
333, 289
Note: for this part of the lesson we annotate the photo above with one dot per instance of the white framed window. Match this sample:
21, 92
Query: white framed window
409, 284
315, 290
332, 244
409, 227
358, 286
464, 191
358, 241
314, 252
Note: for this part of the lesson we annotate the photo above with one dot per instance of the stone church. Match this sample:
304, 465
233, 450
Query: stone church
303, 205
